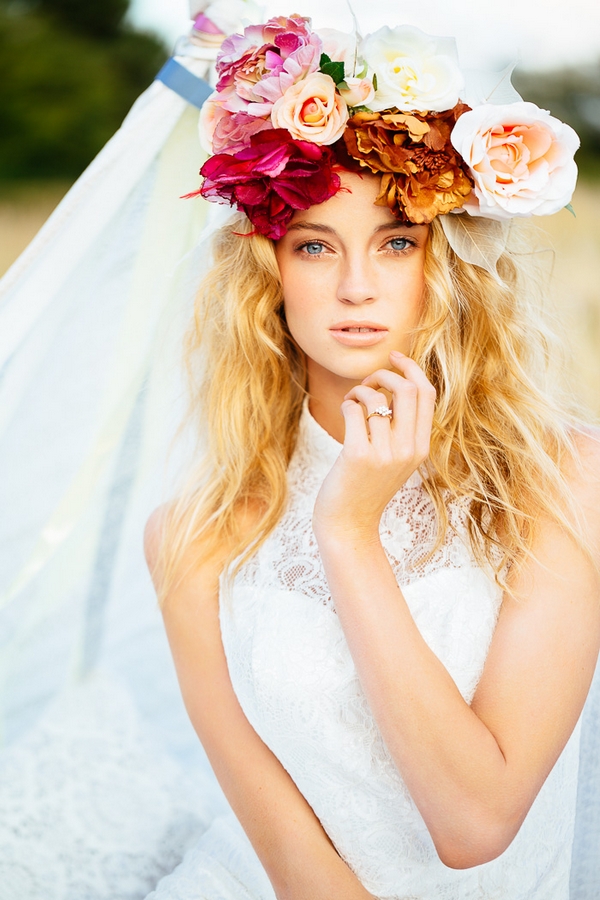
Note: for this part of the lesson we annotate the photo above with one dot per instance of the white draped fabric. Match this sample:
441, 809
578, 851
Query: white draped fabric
103, 784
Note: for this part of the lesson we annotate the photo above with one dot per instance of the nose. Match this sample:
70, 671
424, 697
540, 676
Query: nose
356, 284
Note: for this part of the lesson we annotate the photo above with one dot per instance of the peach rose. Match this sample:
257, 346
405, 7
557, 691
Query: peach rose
520, 158
312, 110
360, 91
210, 114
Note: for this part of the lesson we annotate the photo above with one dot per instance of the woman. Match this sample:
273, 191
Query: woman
381, 600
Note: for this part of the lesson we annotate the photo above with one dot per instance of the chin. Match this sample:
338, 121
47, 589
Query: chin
358, 368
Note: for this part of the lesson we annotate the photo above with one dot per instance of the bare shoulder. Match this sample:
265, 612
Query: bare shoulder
199, 565
587, 442
190, 611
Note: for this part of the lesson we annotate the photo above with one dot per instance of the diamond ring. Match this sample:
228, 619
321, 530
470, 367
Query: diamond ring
384, 411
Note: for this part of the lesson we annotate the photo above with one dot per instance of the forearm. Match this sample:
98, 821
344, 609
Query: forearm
287, 836
450, 761
294, 849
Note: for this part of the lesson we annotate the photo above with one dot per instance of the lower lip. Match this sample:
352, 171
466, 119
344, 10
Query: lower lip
359, 338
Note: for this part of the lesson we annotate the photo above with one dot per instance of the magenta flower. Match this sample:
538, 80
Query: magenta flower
271, 178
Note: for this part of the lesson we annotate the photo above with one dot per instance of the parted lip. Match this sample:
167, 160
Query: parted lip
344, 326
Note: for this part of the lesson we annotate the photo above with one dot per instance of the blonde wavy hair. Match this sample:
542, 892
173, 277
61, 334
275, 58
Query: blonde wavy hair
502, 430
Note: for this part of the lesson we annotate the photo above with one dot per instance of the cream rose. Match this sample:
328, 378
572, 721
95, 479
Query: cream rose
360, 91
520, 157
312, 110
415, 72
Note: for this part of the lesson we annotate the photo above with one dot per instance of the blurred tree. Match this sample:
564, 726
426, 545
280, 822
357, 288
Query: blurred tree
100, 20
572, 95
69, 71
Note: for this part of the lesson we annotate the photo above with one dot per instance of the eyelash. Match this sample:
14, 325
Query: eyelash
409, 242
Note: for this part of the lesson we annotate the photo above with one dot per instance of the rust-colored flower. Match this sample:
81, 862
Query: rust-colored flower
422, 174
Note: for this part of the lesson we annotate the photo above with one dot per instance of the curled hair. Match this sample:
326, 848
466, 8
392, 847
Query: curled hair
501, 432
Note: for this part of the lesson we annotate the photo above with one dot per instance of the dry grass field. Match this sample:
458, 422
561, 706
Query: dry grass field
23, 210
576, 288
576, 278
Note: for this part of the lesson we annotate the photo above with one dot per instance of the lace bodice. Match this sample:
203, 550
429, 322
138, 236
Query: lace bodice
295, 678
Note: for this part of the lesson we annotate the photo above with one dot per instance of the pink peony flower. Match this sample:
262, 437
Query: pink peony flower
233, 131
295, 68
257, 67
520, 158
271, 178
312, 110
222, 131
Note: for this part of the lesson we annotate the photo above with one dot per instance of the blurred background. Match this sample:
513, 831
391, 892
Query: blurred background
70, 70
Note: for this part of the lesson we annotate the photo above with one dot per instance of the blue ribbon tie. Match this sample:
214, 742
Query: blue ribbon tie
179, 79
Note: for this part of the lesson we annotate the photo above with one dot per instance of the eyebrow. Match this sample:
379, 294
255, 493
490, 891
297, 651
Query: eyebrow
325, 229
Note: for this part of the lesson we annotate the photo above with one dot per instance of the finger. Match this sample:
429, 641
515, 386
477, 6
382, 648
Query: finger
426, 396
372, 400
356, 438
408, 368
404, 404
426, 399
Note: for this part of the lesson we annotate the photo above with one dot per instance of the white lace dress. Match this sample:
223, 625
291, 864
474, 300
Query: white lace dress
296, 681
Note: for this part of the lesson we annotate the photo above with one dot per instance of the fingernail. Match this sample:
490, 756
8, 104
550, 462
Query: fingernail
397, 353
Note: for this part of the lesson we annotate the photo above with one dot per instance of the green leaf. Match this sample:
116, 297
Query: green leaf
324, 60
374, 80
361, 109
569, 206
363, 72
333, 69
342, 86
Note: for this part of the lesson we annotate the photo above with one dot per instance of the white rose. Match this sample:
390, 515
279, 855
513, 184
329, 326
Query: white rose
415, 72
340, 46
520, 157
311, 110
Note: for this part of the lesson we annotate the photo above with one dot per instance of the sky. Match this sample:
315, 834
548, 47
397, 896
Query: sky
537, 34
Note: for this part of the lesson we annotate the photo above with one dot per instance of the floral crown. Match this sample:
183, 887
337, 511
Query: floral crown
292, 106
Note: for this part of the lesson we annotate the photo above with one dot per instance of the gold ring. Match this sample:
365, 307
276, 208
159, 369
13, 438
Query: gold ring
384, 411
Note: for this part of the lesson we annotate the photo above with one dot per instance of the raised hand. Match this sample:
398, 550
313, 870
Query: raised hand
379, 453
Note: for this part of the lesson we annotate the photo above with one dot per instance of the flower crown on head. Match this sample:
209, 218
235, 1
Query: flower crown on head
293, 105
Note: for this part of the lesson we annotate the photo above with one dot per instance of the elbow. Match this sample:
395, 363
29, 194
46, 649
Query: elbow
476, 845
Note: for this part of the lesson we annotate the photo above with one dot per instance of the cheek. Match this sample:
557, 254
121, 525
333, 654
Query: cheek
299, 317
417, 295
303, 301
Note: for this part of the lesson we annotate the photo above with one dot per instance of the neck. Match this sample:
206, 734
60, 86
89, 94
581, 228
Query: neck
326, 392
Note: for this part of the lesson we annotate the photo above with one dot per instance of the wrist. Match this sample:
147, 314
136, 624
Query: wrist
345, 536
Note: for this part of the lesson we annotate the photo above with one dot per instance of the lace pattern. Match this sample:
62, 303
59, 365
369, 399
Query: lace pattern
296, 681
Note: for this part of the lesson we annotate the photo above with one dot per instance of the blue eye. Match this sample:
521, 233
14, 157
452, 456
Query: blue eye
400, 243
313, 247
